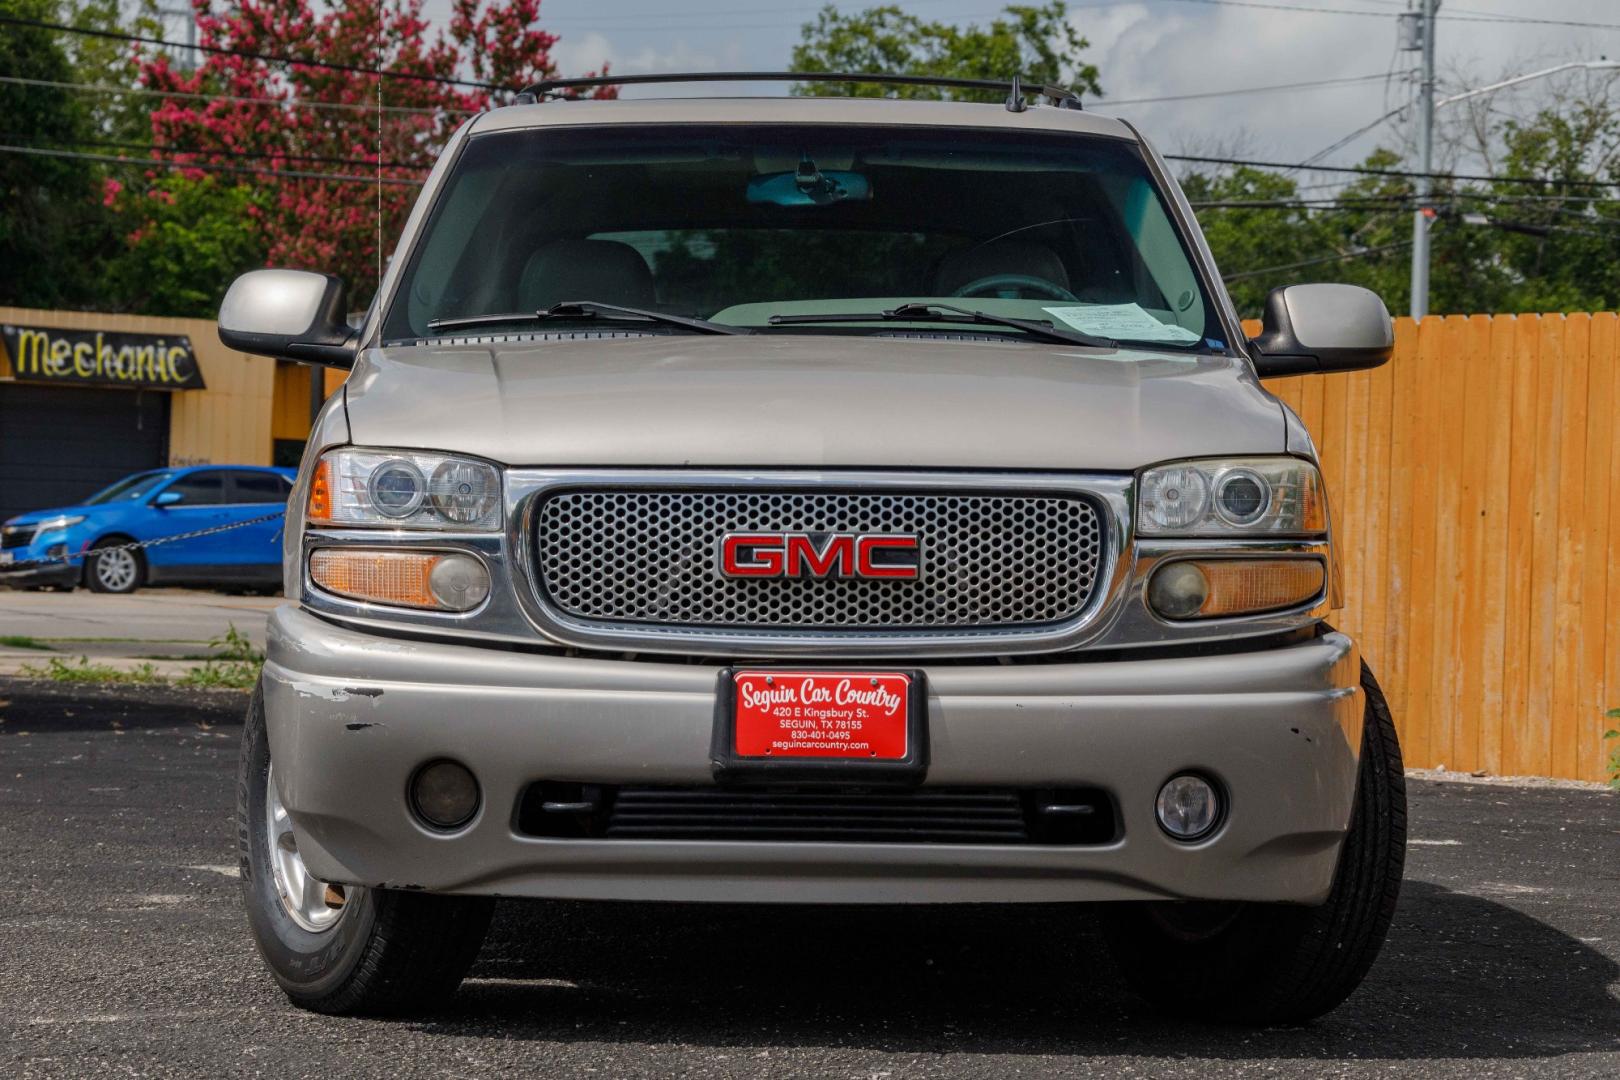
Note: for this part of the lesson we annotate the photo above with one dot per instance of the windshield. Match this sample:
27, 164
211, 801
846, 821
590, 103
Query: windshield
129, 489
740, 223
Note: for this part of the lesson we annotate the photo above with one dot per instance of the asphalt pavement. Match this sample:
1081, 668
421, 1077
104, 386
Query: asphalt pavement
124, 951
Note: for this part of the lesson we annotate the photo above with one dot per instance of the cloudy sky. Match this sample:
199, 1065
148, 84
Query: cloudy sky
1153, 49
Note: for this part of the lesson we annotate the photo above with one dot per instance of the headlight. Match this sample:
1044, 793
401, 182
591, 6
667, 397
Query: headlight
1277, 496
404, 489
61, 522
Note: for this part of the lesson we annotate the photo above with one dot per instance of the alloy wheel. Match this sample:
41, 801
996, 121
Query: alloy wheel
308, 901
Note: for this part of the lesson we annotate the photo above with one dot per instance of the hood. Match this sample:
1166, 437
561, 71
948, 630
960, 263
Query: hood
809, 401
34, 517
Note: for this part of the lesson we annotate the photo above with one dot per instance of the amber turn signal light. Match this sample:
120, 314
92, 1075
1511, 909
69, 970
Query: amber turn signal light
319, 509
439, 580
1217, 588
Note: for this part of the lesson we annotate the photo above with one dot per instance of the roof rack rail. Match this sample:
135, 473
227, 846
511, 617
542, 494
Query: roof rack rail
1014, 88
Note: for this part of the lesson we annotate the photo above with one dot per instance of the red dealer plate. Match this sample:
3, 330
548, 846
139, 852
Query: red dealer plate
857, 715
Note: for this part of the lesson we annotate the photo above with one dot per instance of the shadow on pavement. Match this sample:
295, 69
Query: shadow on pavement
38, 705
1460, 977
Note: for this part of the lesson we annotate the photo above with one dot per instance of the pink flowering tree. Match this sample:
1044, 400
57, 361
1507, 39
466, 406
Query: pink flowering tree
350, 129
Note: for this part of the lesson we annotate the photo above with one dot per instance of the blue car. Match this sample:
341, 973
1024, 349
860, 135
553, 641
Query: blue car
150, 506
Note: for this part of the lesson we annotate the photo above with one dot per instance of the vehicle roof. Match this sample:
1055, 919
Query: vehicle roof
798, 110
181, 470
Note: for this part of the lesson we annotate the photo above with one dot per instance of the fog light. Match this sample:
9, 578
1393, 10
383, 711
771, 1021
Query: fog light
1178, 590
1188, 807
459, 582
444, 794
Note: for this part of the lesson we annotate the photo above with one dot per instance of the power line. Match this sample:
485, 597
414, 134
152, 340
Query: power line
300, 103
266, 155
1362, 254
1364, 170
151, 163
1531, 20
216, 50
1358, 202
1457, 16
1294, 10
1108, 103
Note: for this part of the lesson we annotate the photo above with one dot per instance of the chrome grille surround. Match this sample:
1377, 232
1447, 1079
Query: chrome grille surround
1059, 607
987, 560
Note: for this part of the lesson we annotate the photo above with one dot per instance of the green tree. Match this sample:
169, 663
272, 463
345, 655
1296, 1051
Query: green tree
1037, 42
1556, 239
192, 237
54, 233
1247, 241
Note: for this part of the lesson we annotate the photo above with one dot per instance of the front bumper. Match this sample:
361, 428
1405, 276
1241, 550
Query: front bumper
351, 716
28, 576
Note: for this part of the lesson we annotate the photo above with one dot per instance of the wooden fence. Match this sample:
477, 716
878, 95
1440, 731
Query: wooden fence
1475, 483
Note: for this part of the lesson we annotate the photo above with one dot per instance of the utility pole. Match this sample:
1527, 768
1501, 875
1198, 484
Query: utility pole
1419, 25
187, 61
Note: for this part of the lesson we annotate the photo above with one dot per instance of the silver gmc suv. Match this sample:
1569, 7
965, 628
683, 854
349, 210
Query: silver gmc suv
814, 500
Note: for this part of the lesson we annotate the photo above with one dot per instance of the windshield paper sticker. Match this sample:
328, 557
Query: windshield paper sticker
1122, 321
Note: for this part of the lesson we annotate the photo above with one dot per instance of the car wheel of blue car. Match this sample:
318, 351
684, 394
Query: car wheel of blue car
113, 568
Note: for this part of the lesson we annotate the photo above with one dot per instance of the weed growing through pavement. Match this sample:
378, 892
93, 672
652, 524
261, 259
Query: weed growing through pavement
234, 665
63, 671
1614, 755
22, 641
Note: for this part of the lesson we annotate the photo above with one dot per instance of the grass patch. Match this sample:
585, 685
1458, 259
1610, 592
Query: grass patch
64, 671
234, 665
23, 641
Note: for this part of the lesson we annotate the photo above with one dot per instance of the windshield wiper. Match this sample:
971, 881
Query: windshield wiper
583, 309
947, 313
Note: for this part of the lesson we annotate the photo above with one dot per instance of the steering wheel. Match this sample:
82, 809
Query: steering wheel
996, 282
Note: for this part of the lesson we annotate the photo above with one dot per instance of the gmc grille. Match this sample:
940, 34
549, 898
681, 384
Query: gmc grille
988, 561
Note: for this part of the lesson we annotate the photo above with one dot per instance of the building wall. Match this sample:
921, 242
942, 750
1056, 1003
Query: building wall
227, 423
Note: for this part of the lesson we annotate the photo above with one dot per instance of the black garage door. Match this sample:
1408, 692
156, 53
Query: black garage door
60, 444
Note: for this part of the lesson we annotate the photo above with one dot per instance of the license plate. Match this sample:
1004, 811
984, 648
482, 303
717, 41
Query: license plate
786, 722
6, 556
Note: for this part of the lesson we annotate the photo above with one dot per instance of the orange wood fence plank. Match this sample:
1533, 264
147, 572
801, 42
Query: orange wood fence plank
1497, 429
1544, 556
1464, 612
1570, 538
1596, 521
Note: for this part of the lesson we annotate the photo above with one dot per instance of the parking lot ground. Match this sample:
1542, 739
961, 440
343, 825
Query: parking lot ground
150, 623
124, 951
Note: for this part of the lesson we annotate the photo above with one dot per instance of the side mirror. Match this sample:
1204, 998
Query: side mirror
168, 498
290, 315
1315, 328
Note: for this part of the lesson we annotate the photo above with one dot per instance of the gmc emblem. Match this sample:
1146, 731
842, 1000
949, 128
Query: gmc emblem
895, 556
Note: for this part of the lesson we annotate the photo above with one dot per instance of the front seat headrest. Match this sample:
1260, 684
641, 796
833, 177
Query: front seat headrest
578, 269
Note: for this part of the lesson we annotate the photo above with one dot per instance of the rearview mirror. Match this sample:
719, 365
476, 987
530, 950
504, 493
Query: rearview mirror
168, 498
1314, 328
290, 315
809, 186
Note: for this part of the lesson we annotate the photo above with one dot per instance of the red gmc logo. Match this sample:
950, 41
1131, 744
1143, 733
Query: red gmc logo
821, 555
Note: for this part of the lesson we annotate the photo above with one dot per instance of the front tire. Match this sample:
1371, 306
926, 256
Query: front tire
362, 951
113, 568
1280, 963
